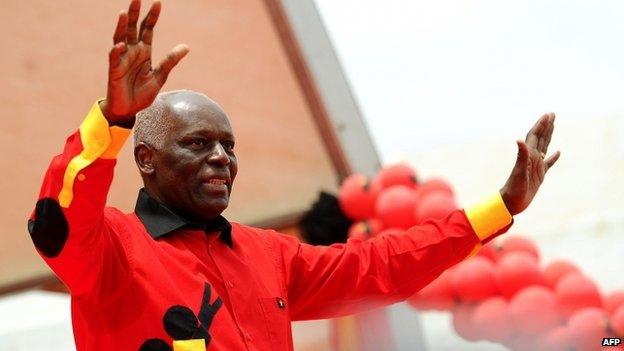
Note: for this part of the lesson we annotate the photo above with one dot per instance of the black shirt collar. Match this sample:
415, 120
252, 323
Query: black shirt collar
160, 220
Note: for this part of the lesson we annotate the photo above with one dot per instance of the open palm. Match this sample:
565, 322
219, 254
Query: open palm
132, 81
531, 166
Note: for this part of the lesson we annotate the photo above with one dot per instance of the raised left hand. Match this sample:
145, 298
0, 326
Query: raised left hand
531, 166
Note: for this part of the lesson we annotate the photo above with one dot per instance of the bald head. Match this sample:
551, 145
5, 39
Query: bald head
155, 122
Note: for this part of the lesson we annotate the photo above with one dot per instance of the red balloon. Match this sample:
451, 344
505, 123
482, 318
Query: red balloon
462, 322
534, 310
491, 251
438, 295
395, 207
357, 231
617, 321
436, 185
557, 270
516, 271
587, 328
473, 279
558, 339
397, 174
356, 199
614, 300
434, 206
493, 321
524, 343
375, 186
518, 243
574, 292
374, 226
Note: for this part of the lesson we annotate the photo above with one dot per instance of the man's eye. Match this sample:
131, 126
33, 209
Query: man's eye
228, 145
197, 143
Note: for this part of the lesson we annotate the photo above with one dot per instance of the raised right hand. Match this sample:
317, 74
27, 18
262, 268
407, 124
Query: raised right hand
132, 82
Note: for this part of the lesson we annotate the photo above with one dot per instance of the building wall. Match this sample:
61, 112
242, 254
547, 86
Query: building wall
54, 68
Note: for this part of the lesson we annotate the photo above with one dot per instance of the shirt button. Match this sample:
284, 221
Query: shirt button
247, 336
81, 177
230, 284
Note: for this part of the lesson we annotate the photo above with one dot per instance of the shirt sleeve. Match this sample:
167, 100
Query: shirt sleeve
68, 226
330, 281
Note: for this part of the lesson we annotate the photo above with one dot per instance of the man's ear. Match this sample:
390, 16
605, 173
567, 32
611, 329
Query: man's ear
144, 156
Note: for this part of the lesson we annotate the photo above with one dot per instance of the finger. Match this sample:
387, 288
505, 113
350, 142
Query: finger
133, 18
148, 23
166, 65
549, 132
532, 137
552, 159
522, 162
122, 27
114, 56
544, 138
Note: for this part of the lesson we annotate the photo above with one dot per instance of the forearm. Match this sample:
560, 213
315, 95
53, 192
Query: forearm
346, 278
68, 218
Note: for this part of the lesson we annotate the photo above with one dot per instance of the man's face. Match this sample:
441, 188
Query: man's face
195, 168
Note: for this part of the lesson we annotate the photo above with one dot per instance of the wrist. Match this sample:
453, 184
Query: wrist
507, 200
113, 119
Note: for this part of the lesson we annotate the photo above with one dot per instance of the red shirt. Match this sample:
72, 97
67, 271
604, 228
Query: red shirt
150, 281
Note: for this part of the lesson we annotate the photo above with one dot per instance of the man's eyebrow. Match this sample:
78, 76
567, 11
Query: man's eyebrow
213, 134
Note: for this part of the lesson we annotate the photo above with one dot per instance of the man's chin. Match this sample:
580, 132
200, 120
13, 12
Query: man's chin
214, 207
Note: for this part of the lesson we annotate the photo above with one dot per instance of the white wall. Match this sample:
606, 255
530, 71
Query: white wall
36, 320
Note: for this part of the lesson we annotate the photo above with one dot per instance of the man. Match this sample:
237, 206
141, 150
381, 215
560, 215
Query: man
175, 274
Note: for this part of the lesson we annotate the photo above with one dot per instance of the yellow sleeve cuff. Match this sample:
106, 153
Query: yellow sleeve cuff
98, 140
118, 136
488, 216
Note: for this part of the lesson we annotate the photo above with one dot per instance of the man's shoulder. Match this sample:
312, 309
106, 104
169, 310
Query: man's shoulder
246, 230
252, 230
265, 234
115, 212
114, 216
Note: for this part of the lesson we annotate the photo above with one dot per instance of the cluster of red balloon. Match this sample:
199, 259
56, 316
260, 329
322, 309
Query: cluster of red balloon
393, 201
503, 295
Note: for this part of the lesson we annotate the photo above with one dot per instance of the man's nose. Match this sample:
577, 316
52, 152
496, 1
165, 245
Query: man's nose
218, 156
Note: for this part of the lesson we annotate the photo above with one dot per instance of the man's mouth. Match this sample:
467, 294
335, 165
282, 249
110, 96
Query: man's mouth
215, 185
217, 181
